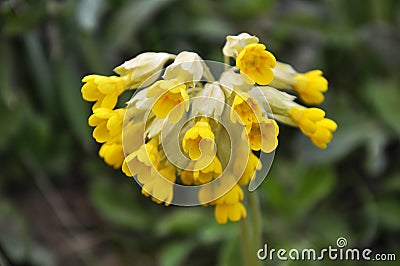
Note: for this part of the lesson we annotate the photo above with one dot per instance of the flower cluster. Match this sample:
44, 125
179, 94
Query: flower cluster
180, 91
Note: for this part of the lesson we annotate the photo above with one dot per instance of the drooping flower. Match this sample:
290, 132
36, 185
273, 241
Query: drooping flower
112, 152
169, 94
257, 63
310, 86
210, 172
103, 90
230, 207
263, 135
107, 123
160, 185
253, 164
246, 108
199, 136
312, 123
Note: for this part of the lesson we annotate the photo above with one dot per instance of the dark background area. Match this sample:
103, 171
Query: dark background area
61, 205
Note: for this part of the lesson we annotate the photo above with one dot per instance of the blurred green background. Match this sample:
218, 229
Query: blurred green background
61, 205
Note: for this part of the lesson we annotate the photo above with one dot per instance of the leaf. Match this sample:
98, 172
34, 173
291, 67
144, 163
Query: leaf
75, 109
389, 213
313, 186
129, 19
40, 68
17, 240
182, 220
384, 97
174, 253
230, 253
117, 205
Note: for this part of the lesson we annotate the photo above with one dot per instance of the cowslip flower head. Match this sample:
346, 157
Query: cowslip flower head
201, 128
103, 90
257, 63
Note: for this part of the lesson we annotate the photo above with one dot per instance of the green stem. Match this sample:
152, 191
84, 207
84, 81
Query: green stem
246, 246
251, 232
255, 212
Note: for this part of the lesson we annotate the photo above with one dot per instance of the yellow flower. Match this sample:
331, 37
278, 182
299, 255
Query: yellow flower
233, 212
112, 153
257, 63
157, 186
143, 161
310, 86
246, 108
187, 178
199, 134
253, 164
229, 206
312, 123
207, 174
169, 93
108, 123
263, 135
323, 135
103, 90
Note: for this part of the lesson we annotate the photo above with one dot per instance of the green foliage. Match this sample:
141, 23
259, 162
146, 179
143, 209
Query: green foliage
61, 205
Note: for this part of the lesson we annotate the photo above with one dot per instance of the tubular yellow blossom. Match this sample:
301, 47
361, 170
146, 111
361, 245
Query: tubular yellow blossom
207, 174
263, 135
246, 108
312, 123
199, 134
253, 164
157, 186
143, 161
112, 153
169, 93
229, 206
257, 63
108, 123
323, 135
233, 212
103, 90
310, 86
